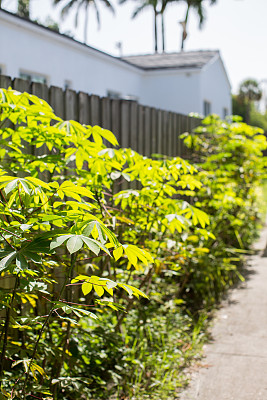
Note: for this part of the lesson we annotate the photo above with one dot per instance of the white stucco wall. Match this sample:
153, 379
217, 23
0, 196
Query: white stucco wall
172, 90
26, 47
215, 88
29, 48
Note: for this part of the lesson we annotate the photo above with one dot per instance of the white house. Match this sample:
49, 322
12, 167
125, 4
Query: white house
180, 82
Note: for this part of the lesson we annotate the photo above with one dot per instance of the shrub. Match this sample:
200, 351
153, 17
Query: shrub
87, 229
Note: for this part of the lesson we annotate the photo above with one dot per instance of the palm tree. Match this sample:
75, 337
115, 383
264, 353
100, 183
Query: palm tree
79, 4
249, 92
197, 5
143, 6
164, 4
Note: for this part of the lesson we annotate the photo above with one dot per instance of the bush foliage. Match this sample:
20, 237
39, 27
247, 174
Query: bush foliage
110, 260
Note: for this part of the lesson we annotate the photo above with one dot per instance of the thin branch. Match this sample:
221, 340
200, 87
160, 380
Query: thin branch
6, 327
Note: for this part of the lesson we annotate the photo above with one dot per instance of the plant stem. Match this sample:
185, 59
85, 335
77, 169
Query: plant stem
67, 277
66, 343
6, 329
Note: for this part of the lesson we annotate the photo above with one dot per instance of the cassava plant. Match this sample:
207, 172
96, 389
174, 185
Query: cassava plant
72, 244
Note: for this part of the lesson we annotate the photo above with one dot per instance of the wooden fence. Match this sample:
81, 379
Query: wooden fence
145, 129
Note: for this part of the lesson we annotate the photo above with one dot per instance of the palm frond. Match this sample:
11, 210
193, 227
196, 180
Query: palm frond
109, 5
67, 8
139, 9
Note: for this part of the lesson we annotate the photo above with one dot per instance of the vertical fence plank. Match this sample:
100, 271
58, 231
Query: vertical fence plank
21, 85
83, 108
106, 113
115, 119
174, 135
134, 125
57, 101
40, 90
5, 81
95, 110
147, 131
140, 112
165, 132
184, 128
178, 133
71, 105
159, 131
125, 124
154, 131
169, 136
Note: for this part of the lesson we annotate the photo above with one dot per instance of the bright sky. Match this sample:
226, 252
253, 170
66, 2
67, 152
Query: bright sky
238, 28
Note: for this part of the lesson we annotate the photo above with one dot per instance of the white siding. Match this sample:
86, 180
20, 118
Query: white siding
26, 47
172, 90
215, 88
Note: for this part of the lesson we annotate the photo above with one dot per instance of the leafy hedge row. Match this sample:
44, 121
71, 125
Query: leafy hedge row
88, 229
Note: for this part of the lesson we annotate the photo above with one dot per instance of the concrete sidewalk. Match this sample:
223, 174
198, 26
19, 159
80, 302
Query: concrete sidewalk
235, 363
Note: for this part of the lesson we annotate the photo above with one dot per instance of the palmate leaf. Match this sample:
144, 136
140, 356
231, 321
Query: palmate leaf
99, 133
100, 285
133, 253
75, 243
33, 367
79, 312
69, 189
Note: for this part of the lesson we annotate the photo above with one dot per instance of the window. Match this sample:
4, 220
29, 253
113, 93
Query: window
225, 112
113, 95
33, 77
207, 108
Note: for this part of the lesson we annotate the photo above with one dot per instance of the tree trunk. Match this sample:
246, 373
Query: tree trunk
156, 31
184, 33
163, 32
86, 22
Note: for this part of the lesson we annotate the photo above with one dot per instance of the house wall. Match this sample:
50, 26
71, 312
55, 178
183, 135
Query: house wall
215, 88
172, 90
29, 48
26, 47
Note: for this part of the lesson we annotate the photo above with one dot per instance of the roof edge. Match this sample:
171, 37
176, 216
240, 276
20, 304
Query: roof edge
64, 36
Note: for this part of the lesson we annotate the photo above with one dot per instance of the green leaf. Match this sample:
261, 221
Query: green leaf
86, 288
99, 290
91, 244
59, 241
21, 261
74, 244
5, 262
11, 186
118, 252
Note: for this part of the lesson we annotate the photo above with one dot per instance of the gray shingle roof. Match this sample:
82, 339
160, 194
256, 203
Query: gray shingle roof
183, 60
